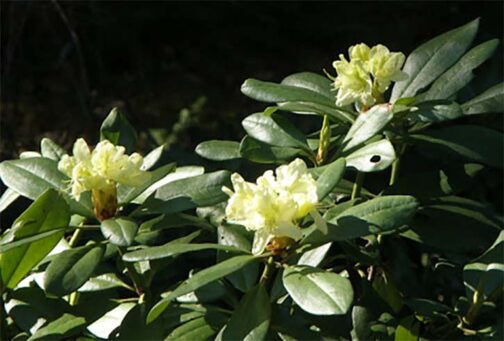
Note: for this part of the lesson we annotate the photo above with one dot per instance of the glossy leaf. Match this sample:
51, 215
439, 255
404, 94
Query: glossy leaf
63, 327
463, 143
435, 111
260, 152
428, 61
70, 269
491, 100
119, 231
311, 81
184, 194
50, 150
118, 130
251, 319
373, 157
275, 93
460, 74
219, 150
274, 129
200, 279
7, 198
330, 177
169, 250
309, 108
318, 292
105, 325
367, 125
49, 212
125, 194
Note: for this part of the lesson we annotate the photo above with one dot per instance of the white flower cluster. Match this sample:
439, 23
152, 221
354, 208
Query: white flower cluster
274, 204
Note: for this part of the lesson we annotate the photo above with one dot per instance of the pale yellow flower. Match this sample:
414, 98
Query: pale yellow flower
102, 168
367, 75
273, 205
354, 84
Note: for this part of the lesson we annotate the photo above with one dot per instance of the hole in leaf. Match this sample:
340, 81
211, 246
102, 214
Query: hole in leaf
375, 158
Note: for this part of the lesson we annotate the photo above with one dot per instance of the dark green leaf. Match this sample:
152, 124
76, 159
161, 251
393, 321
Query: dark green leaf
428, 61
318, 292
120, 231
105, 325
251, 319
274, 129
219, 150
475, 225
434, 111
49, 212
408, 329
184, 194
7, 198
460, 74
200, 279
70, 269
275, 93
463, 143
168, 250
260, 152
62, 328
118, 130
492, 100
330, 177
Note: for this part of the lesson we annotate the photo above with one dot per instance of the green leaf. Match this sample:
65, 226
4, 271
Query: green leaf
7, 198
8, 245
379, 215
151, 159
474, 224
219, 150
70, 269
463, 143
119, 131
62, 328
330, 177
274, 93
198, 329
460, 74
311, 81
169, 250
318, 292
274, 129
51, 150
126, 194
184, 194
491, 100
105, 325
373, 157
408, 329
33, 176
428, 61
103, 282
486, 279
179, 173
308, 108
367, 125
434, 111
251, 319
200, 279
260, 152
120, 231
49, 212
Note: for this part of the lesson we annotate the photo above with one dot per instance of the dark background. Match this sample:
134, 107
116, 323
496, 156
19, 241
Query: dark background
65, 64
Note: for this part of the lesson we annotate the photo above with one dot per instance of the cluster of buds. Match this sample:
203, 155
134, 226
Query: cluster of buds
99, 171
367, 75
273, 205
